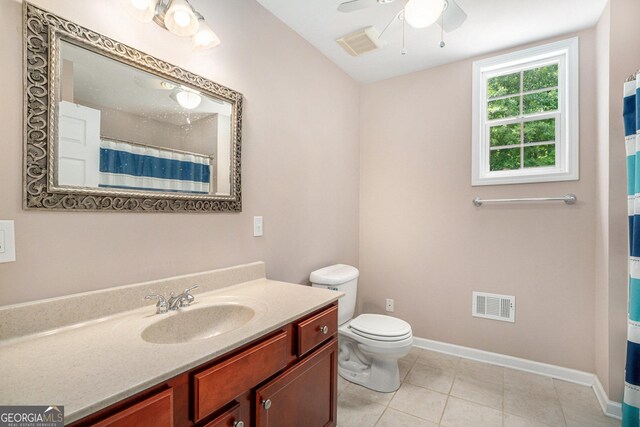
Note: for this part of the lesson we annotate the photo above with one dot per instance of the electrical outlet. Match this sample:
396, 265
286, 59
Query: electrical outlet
389, 305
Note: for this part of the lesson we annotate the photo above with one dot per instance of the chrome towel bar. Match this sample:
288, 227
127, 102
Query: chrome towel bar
568, 198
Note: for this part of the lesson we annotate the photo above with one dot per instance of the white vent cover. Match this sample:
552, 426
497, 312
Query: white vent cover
494, 306
361, 41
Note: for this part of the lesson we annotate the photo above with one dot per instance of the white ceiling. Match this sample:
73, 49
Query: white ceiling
491, 25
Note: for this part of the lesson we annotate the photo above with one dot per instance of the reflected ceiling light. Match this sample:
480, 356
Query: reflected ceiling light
188, 99
422, 13
176, 16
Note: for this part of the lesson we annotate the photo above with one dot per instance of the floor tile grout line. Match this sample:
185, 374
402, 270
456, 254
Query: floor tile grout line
555, 391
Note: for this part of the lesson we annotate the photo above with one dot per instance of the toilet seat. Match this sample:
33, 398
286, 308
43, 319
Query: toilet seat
380, 328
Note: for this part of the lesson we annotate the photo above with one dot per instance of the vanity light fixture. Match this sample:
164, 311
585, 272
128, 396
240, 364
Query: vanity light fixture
176, 16
422, 13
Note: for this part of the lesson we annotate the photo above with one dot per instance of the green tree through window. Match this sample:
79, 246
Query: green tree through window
525, 141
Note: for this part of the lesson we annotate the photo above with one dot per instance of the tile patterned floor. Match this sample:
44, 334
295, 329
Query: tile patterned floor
442, 390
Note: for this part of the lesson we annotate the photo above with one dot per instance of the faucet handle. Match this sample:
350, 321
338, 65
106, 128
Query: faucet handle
186, 291
190, 298
161, 306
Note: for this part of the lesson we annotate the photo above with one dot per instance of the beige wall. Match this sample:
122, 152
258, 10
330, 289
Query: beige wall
624, 60
299, 163
601, 318
424, 244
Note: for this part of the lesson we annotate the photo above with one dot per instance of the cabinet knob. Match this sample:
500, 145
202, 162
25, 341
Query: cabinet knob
238, 424
324, 329
266, 404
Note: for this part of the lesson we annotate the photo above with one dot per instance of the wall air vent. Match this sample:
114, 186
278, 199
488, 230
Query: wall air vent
494, 306
361, 41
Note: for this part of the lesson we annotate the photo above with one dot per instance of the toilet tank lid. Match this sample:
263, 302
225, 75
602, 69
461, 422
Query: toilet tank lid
334, 275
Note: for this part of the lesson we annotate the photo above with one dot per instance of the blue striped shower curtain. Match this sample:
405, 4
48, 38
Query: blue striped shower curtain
631, 402
140, 167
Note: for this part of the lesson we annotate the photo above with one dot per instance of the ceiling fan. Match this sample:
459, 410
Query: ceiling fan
418, 13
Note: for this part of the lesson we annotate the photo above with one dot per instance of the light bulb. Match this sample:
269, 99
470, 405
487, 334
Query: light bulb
140, 4
205, 38
182, 18
422, 13
142, 10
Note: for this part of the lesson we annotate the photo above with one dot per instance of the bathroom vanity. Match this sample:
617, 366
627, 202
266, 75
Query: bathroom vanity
243, 354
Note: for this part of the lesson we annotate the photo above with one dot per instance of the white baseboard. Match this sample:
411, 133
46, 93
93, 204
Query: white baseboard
610, 408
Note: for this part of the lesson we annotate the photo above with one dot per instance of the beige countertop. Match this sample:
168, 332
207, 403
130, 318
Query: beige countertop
90, 365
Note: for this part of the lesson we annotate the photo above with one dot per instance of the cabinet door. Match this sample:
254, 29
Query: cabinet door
304, 395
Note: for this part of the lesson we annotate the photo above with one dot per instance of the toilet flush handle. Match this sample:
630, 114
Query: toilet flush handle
324, 329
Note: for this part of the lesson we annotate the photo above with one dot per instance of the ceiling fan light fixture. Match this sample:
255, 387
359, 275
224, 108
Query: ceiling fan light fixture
422, 13
188, 99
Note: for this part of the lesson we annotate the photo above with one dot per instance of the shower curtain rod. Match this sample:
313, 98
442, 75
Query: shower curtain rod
568, 198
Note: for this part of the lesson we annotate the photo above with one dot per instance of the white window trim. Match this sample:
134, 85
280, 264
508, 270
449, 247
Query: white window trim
567, 136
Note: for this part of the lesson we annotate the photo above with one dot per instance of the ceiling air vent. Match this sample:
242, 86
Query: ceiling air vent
493, 306
361, 41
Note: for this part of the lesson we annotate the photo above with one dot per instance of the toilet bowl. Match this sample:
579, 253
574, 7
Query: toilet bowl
370, 344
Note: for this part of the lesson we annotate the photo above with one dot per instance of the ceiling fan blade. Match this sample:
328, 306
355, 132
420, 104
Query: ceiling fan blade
452, 17
353, 5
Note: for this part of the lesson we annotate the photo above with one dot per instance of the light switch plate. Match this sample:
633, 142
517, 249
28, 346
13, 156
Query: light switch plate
258, 229
7, 242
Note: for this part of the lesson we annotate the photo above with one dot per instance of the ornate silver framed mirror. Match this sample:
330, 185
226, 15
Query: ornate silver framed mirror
110, 128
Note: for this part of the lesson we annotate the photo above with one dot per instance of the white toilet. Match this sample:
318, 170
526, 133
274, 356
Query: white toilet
371, 344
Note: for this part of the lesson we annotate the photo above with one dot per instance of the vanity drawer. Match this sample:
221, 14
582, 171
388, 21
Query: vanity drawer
220, 384
155, 411
231, 418
317, 329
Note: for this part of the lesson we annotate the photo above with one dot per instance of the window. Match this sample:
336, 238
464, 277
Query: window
525, 116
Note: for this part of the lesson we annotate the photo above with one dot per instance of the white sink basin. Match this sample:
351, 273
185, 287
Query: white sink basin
193, 324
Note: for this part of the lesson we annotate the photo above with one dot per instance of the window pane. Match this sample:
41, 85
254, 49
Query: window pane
540, 102
540, 78
540, 131
540, 155
504, 135
505, 159
501, 108
503, 85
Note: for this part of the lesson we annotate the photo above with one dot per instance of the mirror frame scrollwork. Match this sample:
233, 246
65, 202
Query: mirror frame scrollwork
42, 32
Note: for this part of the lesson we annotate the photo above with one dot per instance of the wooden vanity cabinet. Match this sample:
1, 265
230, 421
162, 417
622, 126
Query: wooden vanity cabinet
294, 369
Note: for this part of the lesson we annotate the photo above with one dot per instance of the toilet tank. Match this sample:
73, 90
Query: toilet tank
343, 278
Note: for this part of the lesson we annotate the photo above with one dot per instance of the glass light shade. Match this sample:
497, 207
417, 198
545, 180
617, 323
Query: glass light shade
180, 19
142, 10
205, 38
422, 13
188, 99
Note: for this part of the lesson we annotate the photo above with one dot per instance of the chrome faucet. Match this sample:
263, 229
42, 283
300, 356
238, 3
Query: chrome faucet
174, 302
161, 305
181, 300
